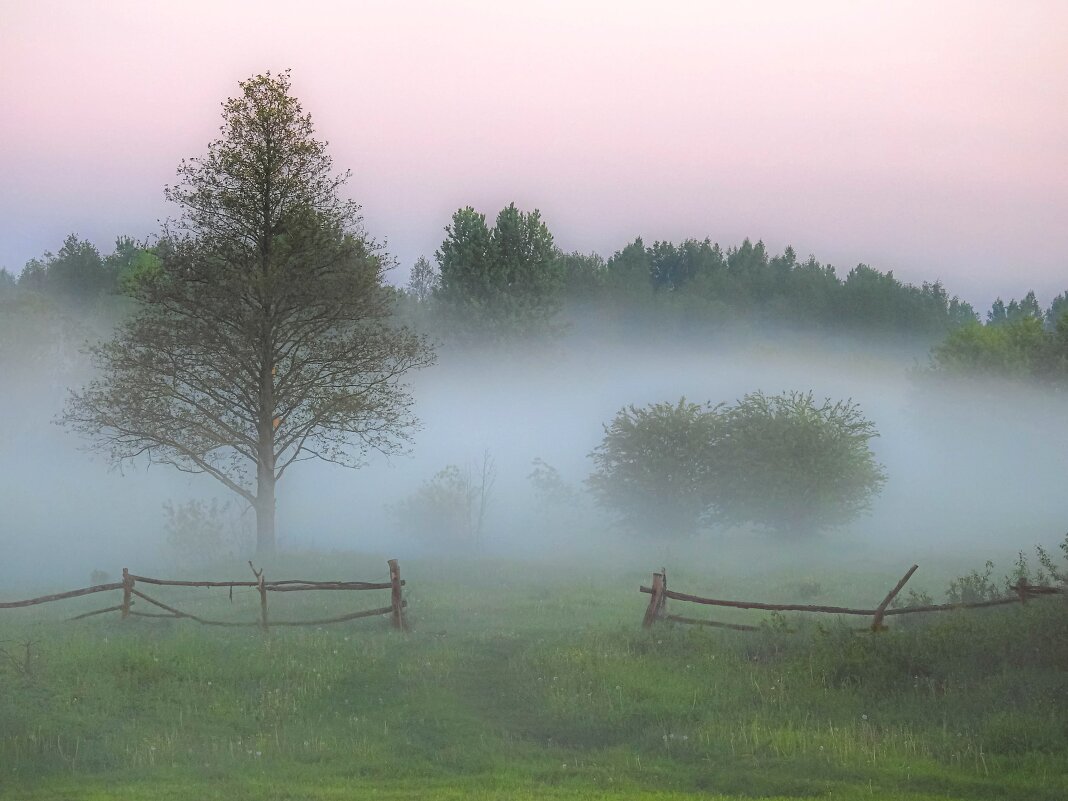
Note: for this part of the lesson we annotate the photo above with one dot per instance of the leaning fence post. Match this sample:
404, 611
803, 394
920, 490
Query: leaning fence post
261, 585
656, 599
127, 592
398, 618
877, 622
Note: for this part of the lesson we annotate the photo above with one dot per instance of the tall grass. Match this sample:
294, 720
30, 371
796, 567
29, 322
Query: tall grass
516, 681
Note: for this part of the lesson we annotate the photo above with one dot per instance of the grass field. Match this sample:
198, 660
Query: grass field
524, 681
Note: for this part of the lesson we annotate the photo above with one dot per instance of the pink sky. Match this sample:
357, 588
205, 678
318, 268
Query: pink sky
930, 138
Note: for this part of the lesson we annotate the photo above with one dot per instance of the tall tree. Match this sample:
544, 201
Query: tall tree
264, 335
502, 281
424, 280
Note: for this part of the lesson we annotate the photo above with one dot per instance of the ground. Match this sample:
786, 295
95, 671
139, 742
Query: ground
522, 681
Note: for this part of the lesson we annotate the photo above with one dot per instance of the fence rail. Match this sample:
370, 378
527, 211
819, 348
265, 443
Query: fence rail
128, 586
659, 592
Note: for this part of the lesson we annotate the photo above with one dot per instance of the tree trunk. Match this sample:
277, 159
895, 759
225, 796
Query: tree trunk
265, 475
265, 506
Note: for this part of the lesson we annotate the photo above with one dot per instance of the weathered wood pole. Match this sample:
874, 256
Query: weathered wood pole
1021, 590
877, 621
656, 599
397, 619
261, 585
127, 592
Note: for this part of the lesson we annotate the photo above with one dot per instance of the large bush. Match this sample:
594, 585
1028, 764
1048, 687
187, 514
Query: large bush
653, 466
781, 462
792, 465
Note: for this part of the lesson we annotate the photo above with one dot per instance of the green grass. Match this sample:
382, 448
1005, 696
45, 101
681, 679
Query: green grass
520, 682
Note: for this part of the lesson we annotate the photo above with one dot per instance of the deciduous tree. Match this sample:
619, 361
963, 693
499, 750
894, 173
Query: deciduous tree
263, 336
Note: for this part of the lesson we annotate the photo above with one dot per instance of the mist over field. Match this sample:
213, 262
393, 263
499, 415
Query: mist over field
974, 470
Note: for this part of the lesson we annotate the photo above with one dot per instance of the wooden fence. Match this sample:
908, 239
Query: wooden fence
130, 591
657, 609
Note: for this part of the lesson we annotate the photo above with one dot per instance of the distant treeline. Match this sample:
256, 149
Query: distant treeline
510, 281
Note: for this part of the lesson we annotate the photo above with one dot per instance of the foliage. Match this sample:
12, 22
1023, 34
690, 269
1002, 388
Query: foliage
697, 283
781, 462
449, 510
973, 587
424, 280
1017, 310
653, 467
263, 335
199, 533
77, 272
550, 489
1019, 341
793, 465
501, 282
1009, 349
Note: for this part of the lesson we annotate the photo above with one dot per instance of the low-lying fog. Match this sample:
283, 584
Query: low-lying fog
971, 470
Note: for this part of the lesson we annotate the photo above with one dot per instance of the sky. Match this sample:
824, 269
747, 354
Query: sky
930, 138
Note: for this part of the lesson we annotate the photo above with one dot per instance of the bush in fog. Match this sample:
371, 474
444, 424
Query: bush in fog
549, 487
789, 464
780, 462
450, 508
654, 466
202, 533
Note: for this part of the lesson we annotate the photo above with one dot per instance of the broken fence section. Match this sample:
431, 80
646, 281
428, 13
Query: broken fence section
657, 609
130, 582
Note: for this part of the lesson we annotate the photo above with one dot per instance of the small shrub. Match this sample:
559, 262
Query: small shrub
202, 533
450, 508
973, 587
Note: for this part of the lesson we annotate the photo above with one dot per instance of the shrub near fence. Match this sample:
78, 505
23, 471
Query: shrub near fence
128, 586
659, 592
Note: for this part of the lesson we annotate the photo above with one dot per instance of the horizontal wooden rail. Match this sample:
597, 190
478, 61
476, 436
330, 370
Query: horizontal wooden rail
176, 583
116, 608
836, 610
177, 613
842, 610
339, 585
715, 623
59, 596
274, 586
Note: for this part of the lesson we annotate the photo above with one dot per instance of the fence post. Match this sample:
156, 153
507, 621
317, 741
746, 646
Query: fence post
1021, 589
398, 618
127, 592
656, 599
261, 585
877, 621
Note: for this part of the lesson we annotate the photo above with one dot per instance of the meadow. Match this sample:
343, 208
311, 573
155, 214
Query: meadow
535, 680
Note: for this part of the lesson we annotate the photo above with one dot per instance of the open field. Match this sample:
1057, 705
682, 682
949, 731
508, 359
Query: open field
524, 681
